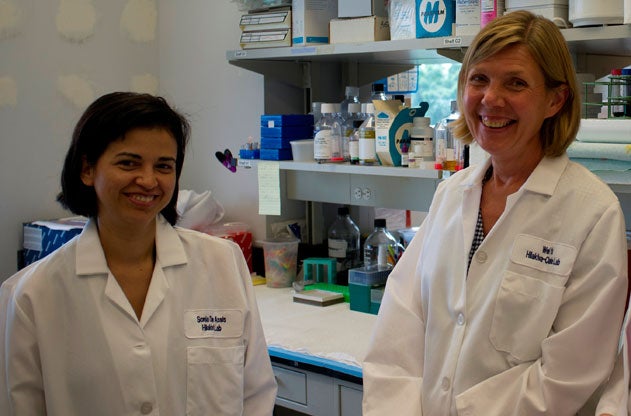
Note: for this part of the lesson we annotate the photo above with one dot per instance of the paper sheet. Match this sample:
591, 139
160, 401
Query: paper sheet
269, 188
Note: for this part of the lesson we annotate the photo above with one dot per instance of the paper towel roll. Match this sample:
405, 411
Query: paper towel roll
590, 12
609, 130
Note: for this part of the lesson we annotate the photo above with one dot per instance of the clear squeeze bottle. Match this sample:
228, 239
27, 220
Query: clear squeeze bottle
327, 138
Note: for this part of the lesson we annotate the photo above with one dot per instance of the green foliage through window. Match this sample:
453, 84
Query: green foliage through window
437, 84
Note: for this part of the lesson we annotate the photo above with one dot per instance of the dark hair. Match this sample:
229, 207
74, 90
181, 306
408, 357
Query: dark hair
106, 120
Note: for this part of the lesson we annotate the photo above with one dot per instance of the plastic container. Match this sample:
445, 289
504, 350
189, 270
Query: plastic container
239, 232
281, 259
327, 145
302, 150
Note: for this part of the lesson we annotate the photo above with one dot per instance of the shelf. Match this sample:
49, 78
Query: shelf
612, 40
400, 172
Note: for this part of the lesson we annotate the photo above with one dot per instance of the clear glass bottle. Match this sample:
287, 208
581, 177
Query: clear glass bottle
367, 145
381, 250
343, 243
327, 138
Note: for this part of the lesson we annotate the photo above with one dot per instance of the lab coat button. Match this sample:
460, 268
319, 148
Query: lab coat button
146, 408
445, 384
460, 319
481, 256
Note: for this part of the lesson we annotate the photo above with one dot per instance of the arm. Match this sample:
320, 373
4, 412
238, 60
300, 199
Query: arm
579, 353
259, 386
392, 369
24, 382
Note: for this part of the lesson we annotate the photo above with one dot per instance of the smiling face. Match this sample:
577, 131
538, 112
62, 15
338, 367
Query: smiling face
134, 179
505, 103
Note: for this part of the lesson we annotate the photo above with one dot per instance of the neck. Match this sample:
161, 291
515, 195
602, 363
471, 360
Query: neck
128, 245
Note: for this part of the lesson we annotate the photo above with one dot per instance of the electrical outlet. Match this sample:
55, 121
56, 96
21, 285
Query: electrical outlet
366, 194
357, 193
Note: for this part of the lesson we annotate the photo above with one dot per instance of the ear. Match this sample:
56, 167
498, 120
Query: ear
87, 172
558, 97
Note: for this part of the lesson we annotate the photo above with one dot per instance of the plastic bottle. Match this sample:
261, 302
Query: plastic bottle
445, 152
351, 96
353, 142
367, 149
423, 135
378, 92
327, 138
381, 250
343, 242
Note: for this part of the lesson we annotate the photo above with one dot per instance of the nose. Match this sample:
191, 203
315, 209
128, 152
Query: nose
147, 178
493, 95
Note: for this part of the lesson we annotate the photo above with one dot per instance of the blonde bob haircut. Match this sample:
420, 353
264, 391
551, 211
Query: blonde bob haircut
549, 50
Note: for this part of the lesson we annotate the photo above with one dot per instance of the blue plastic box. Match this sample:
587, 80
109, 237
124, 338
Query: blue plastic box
277, 120
293, 132
43, 237
276, 154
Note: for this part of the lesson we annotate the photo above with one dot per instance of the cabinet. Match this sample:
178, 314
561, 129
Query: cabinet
296, 76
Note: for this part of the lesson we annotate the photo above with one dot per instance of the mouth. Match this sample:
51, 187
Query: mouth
496, 123
143, 199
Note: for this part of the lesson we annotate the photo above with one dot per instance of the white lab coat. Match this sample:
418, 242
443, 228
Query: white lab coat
532, 329
75, 347
615, 398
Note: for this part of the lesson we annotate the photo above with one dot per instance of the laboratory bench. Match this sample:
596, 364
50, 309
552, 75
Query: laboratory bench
316, 352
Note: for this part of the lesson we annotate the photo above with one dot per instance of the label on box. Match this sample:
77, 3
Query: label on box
434, 18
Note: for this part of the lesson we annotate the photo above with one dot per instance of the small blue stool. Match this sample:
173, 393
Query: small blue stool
324, 266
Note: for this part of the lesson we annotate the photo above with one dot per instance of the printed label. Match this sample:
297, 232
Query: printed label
540, 254
216, 323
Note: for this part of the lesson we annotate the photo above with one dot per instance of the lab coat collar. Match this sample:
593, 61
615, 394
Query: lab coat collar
543, 179
90, 258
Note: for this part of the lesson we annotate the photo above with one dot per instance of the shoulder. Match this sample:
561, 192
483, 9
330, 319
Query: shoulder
197, 241
579, 180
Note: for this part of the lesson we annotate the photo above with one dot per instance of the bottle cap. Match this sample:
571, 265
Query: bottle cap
616, 71
342, 211
380, 222
354, 107
327, 108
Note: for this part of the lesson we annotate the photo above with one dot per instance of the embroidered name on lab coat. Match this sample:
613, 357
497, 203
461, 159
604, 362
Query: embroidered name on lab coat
543, 255
215, 323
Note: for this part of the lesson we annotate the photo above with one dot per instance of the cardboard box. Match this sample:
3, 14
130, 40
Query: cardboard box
361, 8
43, 237
435, 18
467, 17
390, 131
360, 29
265, 39
402, 19
310, 21
266, 20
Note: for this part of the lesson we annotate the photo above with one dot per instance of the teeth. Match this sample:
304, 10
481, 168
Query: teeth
495, 124
143, 198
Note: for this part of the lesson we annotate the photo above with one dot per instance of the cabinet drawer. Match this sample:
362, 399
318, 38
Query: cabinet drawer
292, 385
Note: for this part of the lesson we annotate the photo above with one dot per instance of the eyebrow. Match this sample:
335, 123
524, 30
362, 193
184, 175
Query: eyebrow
136, 156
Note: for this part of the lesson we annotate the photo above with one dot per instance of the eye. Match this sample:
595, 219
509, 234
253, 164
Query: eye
127, 163
477, 79
165, 167
517, 84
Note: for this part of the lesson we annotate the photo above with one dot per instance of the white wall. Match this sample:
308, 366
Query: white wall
186, 54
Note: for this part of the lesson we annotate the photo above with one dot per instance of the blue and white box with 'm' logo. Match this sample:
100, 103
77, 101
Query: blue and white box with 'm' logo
435, 18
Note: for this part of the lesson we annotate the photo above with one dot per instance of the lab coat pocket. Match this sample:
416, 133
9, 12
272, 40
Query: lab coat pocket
215, 380
525, 309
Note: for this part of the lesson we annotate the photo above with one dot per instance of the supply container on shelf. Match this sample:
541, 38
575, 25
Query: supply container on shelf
280, 258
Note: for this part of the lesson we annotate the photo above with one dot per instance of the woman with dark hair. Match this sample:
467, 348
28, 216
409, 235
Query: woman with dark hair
133, 316
510, 298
